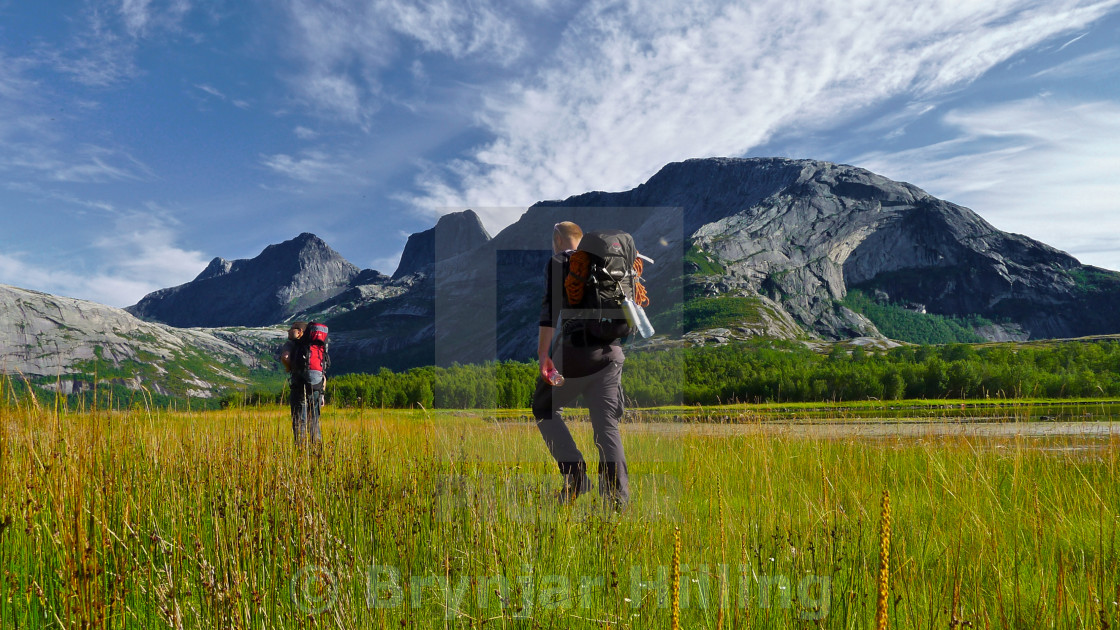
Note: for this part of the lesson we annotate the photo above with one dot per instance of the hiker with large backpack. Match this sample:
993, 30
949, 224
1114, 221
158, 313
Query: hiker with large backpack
591, 280
306, 359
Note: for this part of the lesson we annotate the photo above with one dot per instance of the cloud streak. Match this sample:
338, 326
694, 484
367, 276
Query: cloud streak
313, 166
83, 164
103, 52
1099, 63
33, 148
637, 85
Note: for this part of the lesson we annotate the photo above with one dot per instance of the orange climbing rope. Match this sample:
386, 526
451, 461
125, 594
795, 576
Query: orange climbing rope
579, 269
640, 297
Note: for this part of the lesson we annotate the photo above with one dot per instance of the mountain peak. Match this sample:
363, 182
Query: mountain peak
467, 218
217, 267
307, 239
455, 233
305, 242
280, 281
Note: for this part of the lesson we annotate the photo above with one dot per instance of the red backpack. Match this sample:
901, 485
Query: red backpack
313, 355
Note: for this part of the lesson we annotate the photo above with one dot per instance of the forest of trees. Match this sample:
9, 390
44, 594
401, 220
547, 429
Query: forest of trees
771, 371
896, 322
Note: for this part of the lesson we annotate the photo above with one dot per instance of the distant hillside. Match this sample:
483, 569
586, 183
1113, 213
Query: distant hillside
72, 345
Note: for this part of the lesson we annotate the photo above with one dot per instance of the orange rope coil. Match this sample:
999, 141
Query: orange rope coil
579, 269
640, 297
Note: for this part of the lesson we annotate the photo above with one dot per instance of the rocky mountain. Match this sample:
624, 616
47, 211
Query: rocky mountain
67, 344
743, 247
803, 232
281, 281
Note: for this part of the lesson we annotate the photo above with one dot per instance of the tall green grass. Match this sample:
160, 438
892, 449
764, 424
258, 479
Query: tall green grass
205, 520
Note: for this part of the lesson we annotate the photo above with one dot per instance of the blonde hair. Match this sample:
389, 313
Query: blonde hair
564, 233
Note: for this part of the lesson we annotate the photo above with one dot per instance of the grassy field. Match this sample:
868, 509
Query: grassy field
213, 520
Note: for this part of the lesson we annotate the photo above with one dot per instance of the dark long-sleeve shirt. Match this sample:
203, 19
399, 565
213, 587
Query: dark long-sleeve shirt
571, 360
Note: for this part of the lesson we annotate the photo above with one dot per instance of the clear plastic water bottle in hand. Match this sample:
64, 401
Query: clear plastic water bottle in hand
555, 378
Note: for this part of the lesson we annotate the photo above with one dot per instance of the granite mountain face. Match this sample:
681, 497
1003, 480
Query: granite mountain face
803, 232
789, 238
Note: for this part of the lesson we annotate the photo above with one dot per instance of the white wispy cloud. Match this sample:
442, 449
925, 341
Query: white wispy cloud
103, 50
221, 96
894, 124
36, 191
303, 133
144, 17
337, 95
81, 164
455, 28
135, 255
211, 90
99, 55
17, 271
142, 247
313, 166
14, 83
135, 14
635, 85
1041, 167
34, 146
387, 264
1071, 42
343, 46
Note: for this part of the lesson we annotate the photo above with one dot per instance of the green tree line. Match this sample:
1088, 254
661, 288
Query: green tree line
770, 371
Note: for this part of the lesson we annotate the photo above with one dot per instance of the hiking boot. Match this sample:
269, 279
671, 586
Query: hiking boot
574, 485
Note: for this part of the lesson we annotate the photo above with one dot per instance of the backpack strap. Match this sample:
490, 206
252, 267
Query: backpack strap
569, 314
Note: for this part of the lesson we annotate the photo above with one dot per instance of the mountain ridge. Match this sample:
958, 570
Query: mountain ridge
282, 280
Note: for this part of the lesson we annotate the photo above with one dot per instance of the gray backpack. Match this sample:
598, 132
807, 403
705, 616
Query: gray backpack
604, 266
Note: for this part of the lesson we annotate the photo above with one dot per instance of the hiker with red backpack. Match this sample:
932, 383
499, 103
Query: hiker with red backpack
592, 293
305, 357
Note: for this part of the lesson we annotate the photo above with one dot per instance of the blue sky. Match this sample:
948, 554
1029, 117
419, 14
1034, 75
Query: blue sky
141, 138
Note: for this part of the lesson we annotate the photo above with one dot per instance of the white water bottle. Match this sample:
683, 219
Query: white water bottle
636, 317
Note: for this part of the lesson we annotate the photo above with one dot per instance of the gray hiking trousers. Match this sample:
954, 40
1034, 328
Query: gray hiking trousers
306, 402
602, 393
